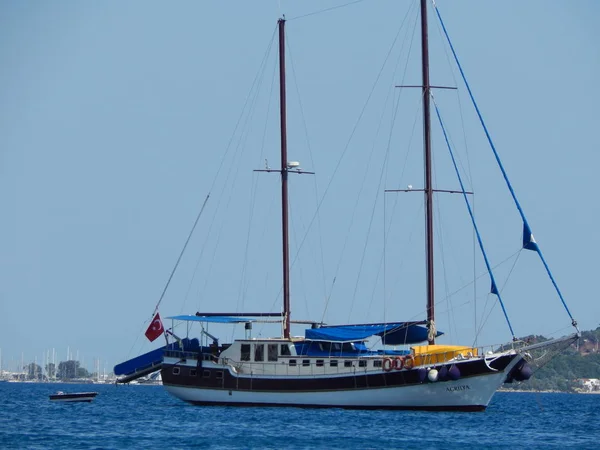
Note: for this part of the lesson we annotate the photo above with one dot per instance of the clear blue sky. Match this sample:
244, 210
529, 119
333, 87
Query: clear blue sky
115, 116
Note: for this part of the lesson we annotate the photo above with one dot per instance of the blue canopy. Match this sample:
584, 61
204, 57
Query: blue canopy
213, 319
391, 333
153, 358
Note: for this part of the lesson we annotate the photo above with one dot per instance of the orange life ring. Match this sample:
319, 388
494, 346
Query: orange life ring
387, 364
398, 363
409, 362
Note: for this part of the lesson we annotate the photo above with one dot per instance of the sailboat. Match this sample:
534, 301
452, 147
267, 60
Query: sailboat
331, 365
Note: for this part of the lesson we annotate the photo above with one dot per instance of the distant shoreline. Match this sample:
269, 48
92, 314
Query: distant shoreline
548, 392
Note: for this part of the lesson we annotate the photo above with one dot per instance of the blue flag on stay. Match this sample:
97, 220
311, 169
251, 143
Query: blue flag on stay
528, 239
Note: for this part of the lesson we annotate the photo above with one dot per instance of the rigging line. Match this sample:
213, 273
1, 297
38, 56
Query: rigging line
310, 154
382, 261
511, 271
386, 228
325, 10
395, 110
412, 134
469, 173
353, 130
229, 144
239, 148
484, 321
389, 226
416, 220
410, 140
556, 332
419, 103
458, 158
248, 96
190, 284
383, 171
143, 324
460, 107
354, 210
440, 227
279, 293
216, 175
294, 241
187, 241
485, 258
483, 274
396, 197
504, 174
441, 246
474, 240
390, 91
243, 289
377, 193
255, 187
355, 126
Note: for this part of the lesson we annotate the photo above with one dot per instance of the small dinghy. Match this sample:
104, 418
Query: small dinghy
73, 397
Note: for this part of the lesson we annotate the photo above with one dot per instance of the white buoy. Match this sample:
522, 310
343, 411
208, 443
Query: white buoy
432, 375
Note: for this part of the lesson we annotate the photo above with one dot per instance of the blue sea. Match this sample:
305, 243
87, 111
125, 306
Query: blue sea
146, 417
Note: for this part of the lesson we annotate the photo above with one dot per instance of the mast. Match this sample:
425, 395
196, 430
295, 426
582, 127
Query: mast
428, 187
284, 186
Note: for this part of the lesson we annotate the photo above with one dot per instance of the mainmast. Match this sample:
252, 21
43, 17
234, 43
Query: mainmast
284, 180
428, 187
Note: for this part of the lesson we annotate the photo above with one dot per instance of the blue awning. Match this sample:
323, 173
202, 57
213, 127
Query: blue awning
391, 333
212, 319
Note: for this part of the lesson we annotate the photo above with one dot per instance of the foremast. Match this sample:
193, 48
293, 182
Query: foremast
284, 183
426, 87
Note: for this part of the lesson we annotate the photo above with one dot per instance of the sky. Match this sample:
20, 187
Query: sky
117, 119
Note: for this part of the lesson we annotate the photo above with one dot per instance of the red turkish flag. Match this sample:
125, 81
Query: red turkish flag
155, 329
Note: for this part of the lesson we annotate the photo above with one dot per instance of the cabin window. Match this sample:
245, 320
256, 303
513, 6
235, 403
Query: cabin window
219, 374
320, 363
206, 374
292, 362
272, 352
192, 372
305, 362
333, 363
245, 352
362, 363
259, 352
285, 350
176, 370
377, 363
347, 363
325, 347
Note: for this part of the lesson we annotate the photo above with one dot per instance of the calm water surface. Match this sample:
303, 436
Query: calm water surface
126, 417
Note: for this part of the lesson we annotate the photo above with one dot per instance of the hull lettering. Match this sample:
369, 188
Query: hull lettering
462, 387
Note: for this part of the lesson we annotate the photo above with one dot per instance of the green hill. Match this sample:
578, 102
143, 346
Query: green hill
580, 360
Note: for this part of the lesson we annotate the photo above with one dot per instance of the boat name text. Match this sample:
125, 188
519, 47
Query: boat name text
463, 387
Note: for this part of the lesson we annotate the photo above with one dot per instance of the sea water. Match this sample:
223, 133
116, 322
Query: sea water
145, 417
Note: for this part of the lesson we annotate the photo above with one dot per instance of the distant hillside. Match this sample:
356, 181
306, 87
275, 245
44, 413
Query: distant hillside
581, 360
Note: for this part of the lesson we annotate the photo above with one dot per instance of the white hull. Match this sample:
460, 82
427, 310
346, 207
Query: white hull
468, 393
